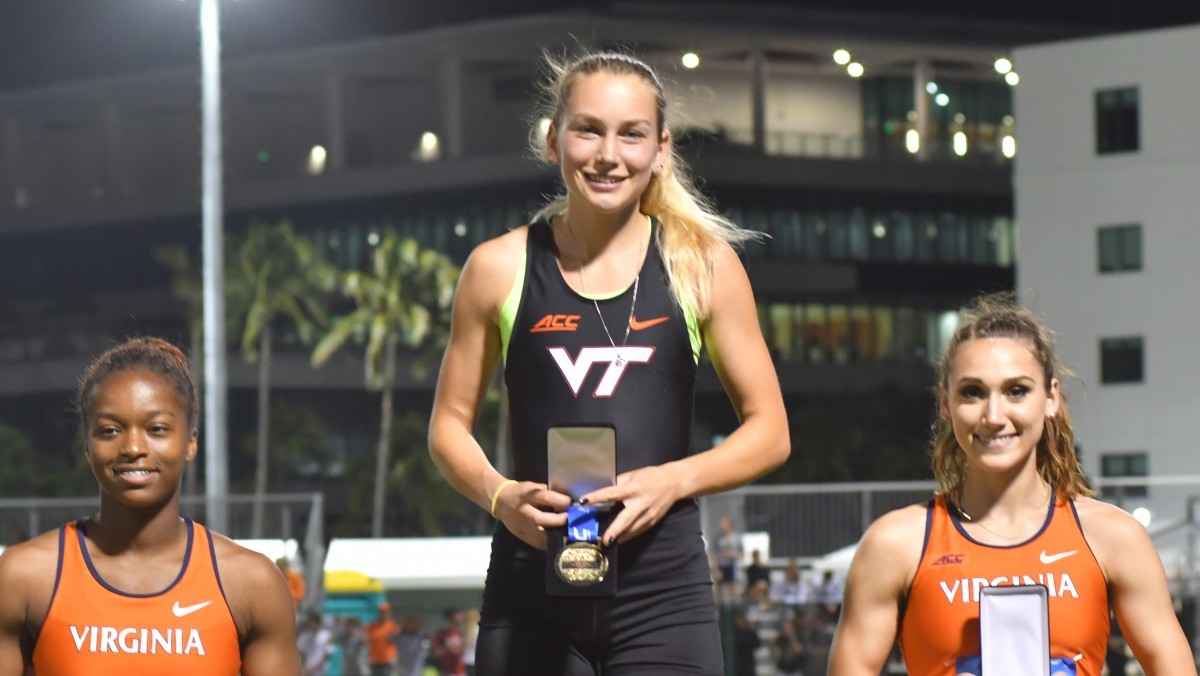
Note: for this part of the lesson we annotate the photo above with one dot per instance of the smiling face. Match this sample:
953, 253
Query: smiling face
139, 437
997, 401
608, 141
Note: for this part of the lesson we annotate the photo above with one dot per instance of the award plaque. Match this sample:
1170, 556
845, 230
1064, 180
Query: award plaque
581, 459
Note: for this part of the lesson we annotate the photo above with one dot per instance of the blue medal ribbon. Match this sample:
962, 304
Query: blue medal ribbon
583, 523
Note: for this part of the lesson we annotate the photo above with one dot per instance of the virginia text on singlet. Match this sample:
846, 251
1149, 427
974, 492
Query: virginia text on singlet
941, 619
93, 628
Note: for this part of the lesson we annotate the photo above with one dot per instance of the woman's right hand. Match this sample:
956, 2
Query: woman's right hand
527, 509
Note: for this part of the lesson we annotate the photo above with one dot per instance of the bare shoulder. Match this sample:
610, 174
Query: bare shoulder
725, 260
492, 267
900, 530
501, 255
242, 567
27, 572
1108, 529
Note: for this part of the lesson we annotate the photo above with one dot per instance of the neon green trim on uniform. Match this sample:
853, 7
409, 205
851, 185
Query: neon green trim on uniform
508, 311
693, 327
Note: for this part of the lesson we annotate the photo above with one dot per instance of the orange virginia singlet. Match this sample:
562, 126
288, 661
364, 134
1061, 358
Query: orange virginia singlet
941, 620
93, 628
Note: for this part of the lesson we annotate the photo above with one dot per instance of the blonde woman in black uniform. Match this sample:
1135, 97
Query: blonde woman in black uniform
599, 309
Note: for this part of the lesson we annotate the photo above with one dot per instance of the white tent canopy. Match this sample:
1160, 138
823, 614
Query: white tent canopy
415, 563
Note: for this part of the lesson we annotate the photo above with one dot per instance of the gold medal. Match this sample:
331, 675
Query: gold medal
581, 564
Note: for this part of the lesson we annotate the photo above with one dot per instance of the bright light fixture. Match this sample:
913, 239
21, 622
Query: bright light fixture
841, 57
1143, 516
912, 141
316, 160
942, 99
960, 143
690, 60
1003, 65
931, 87
855, 69
430, 147
544, 125
1008, 146
1012, 78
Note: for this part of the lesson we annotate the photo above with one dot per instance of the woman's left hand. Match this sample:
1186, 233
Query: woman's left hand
646, 494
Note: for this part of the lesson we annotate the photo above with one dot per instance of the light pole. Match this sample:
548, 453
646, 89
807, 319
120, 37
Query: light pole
212, 208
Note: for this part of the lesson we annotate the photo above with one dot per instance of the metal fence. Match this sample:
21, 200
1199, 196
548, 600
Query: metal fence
286, 516
806, 521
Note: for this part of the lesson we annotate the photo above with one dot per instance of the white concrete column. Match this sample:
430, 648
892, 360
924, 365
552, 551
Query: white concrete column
452, 106
922, 73
335, 122
758, 99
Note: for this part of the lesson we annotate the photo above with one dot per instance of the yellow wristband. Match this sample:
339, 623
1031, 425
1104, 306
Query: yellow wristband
496, 495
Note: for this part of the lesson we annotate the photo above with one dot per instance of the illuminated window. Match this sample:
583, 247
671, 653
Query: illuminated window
1120, 248
1117, 120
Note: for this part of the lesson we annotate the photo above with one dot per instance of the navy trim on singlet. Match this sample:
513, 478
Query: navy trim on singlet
929, 507
87, 559
1079, 525
1045, 524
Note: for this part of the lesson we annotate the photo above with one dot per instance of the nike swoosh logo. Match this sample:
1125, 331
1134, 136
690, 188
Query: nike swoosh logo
181, 611
1051, 558
639, 325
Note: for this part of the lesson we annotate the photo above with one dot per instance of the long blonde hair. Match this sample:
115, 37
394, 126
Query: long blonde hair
691, 226
999, 316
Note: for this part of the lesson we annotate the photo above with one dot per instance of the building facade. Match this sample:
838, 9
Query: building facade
886, 192
1107, 199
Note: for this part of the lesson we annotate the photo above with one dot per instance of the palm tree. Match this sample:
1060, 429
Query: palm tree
275, 274
403, 298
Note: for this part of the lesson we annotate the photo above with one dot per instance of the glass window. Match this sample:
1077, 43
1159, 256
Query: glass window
885, 333
1121, 360
839, 334
1124, 465
1117, 120
815, 334
863, 343
780, 331
1120, 248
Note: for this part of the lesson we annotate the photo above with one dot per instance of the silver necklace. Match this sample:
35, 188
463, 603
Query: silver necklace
967, 517
620, 359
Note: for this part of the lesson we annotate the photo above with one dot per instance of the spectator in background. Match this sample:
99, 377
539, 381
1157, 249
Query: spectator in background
413, 646
728, 556
381, 635
354, 648
294, 579
757, 571
315, 643
470, 636
828, 595
448, 645
792, 591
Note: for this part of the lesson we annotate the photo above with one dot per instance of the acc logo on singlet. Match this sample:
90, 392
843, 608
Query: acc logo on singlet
949, 560
556, 323
576, 370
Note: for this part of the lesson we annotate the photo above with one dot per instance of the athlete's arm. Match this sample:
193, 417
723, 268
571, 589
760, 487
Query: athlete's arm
1137, 588
879, 578
468, 365
263, 610
759, 444
27, 579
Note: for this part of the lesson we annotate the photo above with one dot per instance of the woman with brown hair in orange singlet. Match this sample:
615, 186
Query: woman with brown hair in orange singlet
1013, 509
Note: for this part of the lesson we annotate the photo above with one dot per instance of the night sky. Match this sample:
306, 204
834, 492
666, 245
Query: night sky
50, 41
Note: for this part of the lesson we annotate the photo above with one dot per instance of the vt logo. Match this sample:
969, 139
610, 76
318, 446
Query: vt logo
576, 371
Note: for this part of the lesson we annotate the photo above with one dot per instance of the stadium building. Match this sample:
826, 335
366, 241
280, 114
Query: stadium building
876, 151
